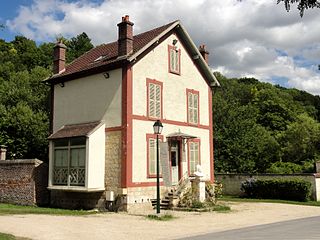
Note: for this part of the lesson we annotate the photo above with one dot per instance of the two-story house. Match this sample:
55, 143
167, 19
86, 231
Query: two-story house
104, 105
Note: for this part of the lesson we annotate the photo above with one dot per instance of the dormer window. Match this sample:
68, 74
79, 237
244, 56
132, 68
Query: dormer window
100, 58
174, 59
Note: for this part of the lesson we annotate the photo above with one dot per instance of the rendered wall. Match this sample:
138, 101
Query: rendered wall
88, 99
155, 66
96, 159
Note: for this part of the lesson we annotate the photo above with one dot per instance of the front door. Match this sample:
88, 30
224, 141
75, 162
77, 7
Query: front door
175, 160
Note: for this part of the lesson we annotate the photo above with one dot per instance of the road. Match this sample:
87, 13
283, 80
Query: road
301, 229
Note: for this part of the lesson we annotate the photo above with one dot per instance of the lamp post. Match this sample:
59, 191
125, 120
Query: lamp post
157, 129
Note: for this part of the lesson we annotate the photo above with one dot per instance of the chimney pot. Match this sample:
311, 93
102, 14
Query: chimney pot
204, 53
125, 37
59, 57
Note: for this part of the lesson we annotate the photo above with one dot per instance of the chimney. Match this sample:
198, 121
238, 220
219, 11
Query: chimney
204, 53
59, 57
125, 39
3, 152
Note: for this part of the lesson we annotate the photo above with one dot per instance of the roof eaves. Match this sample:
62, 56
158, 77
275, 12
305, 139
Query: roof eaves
153, 41
196, 55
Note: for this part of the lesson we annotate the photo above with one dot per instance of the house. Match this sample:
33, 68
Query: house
104, 105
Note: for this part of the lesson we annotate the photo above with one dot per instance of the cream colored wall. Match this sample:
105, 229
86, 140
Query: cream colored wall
96, 159
139, 148
155, 66
89, 99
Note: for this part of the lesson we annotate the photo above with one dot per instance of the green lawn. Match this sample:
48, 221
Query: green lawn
238, 199
6, 237
15, 209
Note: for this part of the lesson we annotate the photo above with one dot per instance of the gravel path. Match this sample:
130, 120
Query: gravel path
136, 226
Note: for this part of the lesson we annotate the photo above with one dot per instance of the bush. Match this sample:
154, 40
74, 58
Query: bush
295, 189
284, 168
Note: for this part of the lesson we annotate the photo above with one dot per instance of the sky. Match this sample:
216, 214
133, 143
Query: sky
248, 38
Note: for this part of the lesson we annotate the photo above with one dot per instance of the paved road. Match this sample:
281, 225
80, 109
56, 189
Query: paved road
301, 229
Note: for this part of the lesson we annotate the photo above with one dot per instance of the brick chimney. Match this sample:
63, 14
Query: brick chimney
59, 57
3, 152
125, 39
204, 53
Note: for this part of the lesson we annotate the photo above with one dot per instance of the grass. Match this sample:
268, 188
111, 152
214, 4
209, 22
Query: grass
6, 209
4, 236
165, 217
239, 199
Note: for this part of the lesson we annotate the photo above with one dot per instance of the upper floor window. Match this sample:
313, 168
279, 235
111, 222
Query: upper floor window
193, 106
174, 59
154, 99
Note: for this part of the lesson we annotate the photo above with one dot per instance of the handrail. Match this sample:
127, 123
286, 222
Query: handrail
182, 183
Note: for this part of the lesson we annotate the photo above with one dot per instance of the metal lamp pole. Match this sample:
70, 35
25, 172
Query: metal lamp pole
157, 129
158, 177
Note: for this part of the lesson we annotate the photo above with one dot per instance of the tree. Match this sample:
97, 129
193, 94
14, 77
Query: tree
302, 4
77, 46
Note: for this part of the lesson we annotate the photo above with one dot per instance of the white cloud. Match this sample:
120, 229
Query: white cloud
247, 38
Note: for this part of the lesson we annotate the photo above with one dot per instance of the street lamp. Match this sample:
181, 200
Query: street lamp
157, 129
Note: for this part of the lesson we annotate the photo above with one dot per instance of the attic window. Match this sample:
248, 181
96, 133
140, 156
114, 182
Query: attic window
102, 57
174, 59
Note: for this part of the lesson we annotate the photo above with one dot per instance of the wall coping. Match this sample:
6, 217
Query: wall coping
34, 161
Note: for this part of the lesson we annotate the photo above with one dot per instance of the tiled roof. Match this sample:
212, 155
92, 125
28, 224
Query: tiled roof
74, 130
109, 52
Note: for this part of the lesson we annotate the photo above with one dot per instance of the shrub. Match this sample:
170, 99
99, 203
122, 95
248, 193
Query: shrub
284, 168
295, 189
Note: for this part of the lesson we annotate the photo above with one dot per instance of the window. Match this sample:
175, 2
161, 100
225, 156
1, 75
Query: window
69, 161
152, 154
154, 89
174, 59
193, 106
194, 155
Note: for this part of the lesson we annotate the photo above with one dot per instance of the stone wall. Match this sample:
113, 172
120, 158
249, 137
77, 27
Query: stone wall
113, 162
232, 182
77, 200
24, 182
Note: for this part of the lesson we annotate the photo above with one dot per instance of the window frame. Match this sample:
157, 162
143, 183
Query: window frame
193, 141
69, 147
160, 84
193, 92
178, 51
148, 137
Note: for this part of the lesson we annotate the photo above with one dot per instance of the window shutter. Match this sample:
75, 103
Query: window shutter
195, 107
152, 154
151, 100
158, 101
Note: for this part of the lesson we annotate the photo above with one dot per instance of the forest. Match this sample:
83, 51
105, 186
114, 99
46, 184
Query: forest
24, 98
264, 128
258, 127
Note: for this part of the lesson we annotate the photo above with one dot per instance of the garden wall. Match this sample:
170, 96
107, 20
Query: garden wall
232, 182
24, 182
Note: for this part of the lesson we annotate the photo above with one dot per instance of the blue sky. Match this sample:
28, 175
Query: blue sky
253, 38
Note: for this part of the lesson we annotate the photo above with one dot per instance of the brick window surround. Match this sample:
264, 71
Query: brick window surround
174, 60
193, 107
154, 99
194, 156
151, 140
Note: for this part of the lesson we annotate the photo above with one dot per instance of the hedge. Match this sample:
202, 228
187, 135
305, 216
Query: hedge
295, 189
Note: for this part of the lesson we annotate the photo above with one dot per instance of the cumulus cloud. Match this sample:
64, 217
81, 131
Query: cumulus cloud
248, 38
